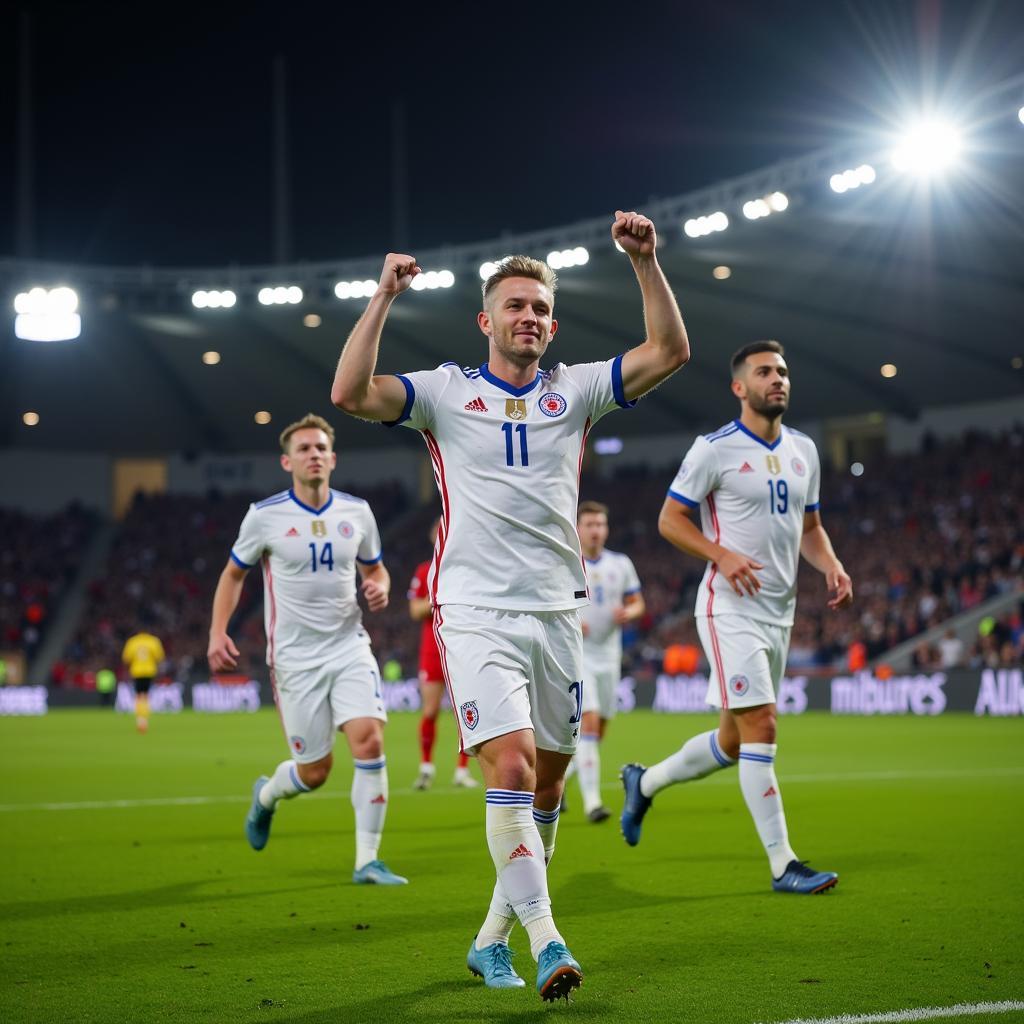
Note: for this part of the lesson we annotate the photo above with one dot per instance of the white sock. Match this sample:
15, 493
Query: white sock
698, 756
500, 920
518, 854
282, 785
588, 768
547, 826
761, 791
370, 802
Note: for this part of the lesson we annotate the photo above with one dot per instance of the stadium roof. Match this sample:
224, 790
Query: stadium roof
927, 277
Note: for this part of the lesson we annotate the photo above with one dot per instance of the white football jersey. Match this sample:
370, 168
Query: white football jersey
611, 577
507, 465
752, 497
309, 560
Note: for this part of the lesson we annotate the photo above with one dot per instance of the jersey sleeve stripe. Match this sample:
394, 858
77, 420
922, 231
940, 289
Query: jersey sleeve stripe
410, 397
682, 498
239, 562
812, 508
627, 593
617, 389
369, 561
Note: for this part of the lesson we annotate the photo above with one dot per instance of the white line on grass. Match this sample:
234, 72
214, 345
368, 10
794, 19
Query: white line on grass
922, 1013
236, 798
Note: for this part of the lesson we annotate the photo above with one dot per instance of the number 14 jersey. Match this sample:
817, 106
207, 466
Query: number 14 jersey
507, 464
752, 497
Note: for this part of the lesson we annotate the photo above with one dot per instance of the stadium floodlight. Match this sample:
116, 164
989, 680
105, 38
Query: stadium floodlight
262, 417
852, 178
280, 295
927, 148
47, 314
608, 446
355, 289
1020, 115
430, 280
561, 258
857, 468
312, 320
696, 227
486, 269
214, 299
30, 419
888, 370
778, 201
722, 273
211, 358
754, 209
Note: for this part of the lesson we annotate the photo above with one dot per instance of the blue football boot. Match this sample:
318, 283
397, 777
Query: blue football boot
377, 873
798, 877
257, 821
557, 972
636, 805
493, 963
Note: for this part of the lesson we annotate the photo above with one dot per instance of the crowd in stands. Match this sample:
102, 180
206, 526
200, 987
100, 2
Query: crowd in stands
924, 535
39, 558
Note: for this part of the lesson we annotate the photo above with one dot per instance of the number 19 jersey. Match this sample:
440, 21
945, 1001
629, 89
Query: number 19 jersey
752, 497
507, 463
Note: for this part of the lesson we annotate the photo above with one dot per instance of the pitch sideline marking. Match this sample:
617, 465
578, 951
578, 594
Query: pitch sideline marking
922, 1013
237, 798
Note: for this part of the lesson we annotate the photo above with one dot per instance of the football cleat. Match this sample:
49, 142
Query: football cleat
493, 963
798, 877
557, 973
377, 873
425, 777
599, 814
636, 805
257, 821
464, 780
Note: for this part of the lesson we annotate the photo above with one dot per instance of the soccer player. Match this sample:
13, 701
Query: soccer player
310, 540
143, 653
431, 680
756, 484
507, 581
615, 599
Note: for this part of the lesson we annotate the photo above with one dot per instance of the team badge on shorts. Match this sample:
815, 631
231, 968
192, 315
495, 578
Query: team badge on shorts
298, 744
345, 529
552, 404
798, 467
739, 685
470, 714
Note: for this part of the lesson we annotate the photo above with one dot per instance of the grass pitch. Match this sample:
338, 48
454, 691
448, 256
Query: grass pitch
155, 909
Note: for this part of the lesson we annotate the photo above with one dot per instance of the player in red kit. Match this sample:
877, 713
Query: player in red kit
431, 680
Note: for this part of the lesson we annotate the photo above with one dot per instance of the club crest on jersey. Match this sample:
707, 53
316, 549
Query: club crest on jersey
552, 404
346, 529
774, 463
319, 528
470, 714
798, 467
515, 408
739, 685
298, 744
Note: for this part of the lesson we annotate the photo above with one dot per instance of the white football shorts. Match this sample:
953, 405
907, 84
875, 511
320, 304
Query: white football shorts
507, 671
315, 703
601, 676
747, 659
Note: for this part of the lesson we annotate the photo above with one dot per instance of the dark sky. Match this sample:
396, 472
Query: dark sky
153, 137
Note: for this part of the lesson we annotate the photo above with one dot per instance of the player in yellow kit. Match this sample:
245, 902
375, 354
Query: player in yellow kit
142, 653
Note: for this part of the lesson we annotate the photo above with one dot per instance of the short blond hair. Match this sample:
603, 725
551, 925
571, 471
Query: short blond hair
520, 266
591, 508
308, 422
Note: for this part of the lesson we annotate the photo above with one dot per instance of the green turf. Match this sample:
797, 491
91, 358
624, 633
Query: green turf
154, 913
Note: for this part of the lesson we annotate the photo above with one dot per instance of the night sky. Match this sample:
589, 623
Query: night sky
153, 122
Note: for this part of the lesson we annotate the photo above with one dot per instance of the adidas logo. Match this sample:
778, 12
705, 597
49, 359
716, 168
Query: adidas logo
382, 799
477, 405
770, 791
292, 532
746, 468
520, 851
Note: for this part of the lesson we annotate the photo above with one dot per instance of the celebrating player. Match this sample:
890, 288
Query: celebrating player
431, 680
756, 484
615, 599
507, 581
310, 540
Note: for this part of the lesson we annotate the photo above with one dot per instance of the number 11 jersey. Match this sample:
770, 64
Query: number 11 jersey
507, 463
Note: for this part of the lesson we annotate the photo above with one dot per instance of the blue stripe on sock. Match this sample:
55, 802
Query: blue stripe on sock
545, 817
509, 798
296, 781
763, 758
370, 766
724, 761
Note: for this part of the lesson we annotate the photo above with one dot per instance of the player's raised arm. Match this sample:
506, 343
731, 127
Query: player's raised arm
667, 347
356, 389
